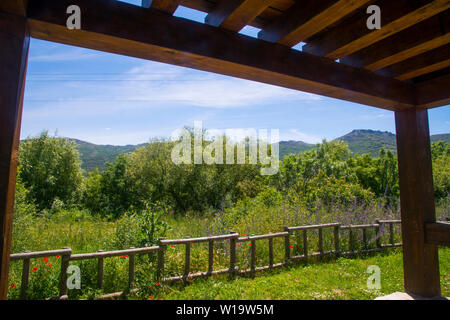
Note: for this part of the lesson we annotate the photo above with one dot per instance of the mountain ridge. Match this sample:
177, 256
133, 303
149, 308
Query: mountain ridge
359, 140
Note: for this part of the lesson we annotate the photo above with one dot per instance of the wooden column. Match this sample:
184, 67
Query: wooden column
14, 39
420, 260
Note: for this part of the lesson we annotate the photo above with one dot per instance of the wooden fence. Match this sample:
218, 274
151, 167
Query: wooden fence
232, 238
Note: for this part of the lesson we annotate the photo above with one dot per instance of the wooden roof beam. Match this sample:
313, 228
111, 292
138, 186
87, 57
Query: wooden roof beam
424, 63
168, 6
306, 18
433, 93
354, 35
425, 36
235, 14
121, 28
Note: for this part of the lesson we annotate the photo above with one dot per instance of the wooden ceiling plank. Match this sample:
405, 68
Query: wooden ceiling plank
125, 29
420, 38
306, 19
352, 34
392, 28
235, 14
433, 93
168, 6
424, 63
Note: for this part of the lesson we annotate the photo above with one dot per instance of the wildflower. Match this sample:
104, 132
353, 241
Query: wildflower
238, 244
57, 257
244, 234
45, 258
157, 283
150, 297
124, 257
291, 246
171, 246
250, 244
159, 299
34, 269
12, 286
49, 265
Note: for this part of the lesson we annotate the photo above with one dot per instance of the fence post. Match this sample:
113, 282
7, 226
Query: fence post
337, 248
391, 233
378, 234
305, 245
131, 261
63, 277
233, 254
187, 260
365, 239
270, 253
210, 256
350, 239
100, 271
160, 268
320, 243
287, 244
25, 278
253, 257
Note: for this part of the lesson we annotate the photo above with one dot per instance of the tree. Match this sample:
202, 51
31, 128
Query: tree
51, 170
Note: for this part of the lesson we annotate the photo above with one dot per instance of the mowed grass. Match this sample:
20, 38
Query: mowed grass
343, 279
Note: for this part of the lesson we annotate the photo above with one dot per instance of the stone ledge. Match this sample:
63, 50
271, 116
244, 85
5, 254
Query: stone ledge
407, 296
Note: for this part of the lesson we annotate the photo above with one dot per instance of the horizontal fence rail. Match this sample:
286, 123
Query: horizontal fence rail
233, 239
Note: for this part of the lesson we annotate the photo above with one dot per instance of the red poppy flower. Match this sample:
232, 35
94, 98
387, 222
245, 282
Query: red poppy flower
159, 299
57, 257
157, 283
244, 234
49, 265
250, 244
13, 285
291, 246
34, 269
150, 297
238, 244
45, 258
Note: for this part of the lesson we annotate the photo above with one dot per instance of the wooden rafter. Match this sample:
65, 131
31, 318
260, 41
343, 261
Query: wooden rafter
306, 18
427, 35
424, 63
145, 33
236, 14
353, 36
168, 6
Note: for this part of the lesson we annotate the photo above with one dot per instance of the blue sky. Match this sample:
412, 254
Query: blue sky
111, 99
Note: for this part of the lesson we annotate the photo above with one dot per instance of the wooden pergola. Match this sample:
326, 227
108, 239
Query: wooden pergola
403, 67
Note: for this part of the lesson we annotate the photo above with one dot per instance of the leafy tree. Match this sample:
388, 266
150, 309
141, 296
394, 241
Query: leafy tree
51, 170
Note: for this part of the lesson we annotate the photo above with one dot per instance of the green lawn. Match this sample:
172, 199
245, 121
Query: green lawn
342, 279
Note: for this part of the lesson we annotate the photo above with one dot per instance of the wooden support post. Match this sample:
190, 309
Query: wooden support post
100, 272
270, 252
25, 278
63, 277
210, 256
253, 257
131, 260
160, 268
305, 245
420, 260
232, 254
15, 40
287, 244
336, 240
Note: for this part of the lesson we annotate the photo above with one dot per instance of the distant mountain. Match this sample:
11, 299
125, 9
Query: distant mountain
96, 156
359, 141
369, 141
